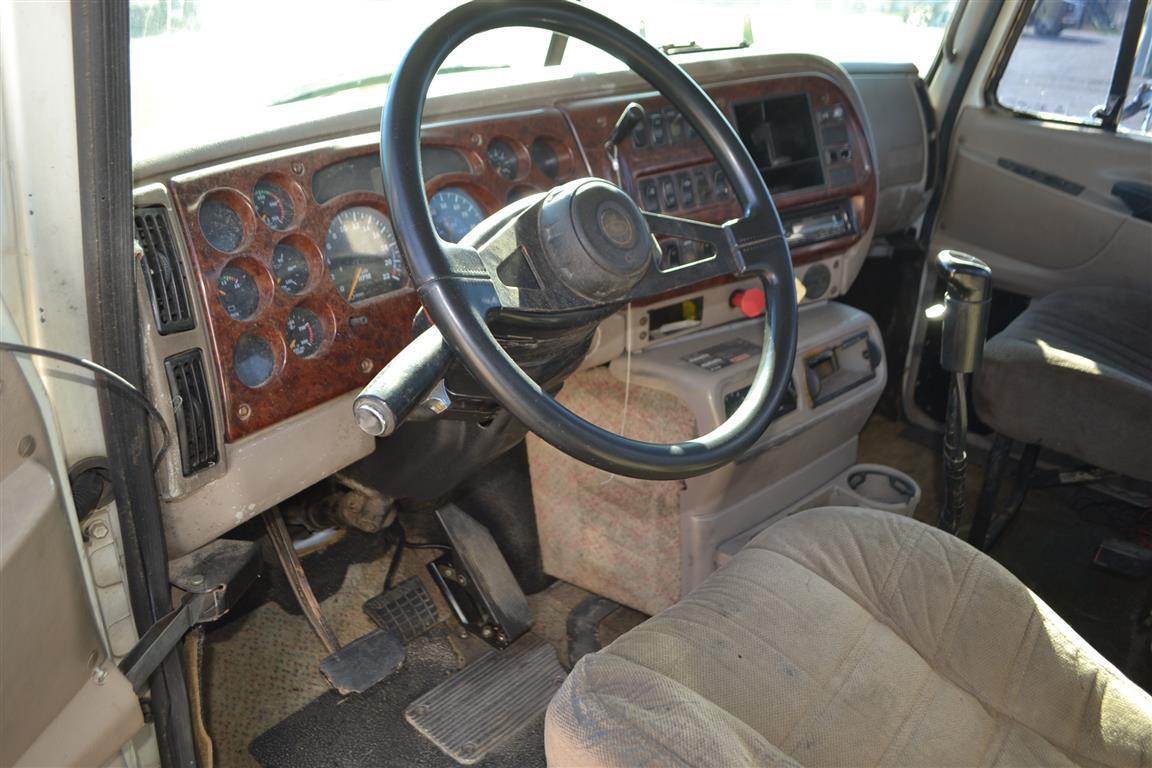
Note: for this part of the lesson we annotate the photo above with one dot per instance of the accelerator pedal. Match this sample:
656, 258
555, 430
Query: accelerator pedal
477, 582
485, 705
406, 609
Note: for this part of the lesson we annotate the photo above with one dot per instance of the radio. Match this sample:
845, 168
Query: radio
818, 224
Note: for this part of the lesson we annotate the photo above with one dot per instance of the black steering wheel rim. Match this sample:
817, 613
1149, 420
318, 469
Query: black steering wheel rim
450, 294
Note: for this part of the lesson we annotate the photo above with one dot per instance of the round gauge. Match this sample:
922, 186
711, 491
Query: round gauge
362, 254
221, 225
816, 281
237, 292
273, 204
454, 213
305, 332
290, 268
253, 360
502, 158
544, 157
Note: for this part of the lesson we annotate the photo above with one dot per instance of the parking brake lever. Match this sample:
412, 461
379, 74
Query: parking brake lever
967, 297
404, 383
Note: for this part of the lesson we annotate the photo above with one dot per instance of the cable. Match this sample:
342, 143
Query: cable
398, 537
111, 377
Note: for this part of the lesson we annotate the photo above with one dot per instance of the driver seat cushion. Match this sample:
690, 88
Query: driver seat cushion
845, 636
1073, 373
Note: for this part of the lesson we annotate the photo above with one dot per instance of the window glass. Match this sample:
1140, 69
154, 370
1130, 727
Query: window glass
1137, 114
1063, 62
206, 70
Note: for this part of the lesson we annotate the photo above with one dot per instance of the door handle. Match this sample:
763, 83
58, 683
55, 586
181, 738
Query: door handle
1137, 196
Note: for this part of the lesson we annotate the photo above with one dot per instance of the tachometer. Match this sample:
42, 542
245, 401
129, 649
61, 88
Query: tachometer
454, 213
362, 254
273, 204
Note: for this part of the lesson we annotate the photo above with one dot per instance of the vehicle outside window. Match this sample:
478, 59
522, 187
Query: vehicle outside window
203, 71
1064, 63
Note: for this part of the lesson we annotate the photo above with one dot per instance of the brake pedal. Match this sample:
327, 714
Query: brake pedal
353, 668
406, 609
477, 582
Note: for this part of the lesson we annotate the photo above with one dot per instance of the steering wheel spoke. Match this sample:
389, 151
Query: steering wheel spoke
739, 247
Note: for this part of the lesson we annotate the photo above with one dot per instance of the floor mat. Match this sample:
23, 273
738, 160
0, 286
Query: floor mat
370, 729
265, 665
485, 706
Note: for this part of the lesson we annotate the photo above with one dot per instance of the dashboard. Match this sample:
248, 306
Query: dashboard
304, 286
297, 293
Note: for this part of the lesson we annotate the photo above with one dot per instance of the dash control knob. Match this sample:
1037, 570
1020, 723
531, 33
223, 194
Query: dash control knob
750, 302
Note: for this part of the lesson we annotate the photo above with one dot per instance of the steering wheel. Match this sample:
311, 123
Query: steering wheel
584, 246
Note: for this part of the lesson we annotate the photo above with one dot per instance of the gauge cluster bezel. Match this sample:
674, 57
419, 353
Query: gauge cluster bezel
359, 339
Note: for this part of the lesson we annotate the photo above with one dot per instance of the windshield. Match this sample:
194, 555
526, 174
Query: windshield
206, 69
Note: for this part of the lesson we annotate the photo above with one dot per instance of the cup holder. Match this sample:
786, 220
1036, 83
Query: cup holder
869, 485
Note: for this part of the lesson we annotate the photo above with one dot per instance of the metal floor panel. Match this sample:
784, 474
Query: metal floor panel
489, 702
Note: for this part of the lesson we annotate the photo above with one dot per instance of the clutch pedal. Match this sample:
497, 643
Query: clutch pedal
477, 582
355, 667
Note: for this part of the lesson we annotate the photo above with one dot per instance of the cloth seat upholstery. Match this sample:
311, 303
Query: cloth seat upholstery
1074, 373
851, 637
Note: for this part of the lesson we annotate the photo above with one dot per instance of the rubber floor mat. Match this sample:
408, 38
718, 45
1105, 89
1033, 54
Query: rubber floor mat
406, 609
369, 729
490, 702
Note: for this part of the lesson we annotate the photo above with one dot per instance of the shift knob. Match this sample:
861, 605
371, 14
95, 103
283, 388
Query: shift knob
967, 296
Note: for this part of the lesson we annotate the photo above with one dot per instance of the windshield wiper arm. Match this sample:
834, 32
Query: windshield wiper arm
372, 80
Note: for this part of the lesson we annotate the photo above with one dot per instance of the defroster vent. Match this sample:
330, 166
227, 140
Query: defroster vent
193, 408
167, 281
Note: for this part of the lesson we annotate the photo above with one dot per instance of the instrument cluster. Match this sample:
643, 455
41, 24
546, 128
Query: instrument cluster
306, 289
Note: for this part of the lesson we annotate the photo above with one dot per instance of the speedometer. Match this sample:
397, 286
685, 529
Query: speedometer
362, 254
454, 213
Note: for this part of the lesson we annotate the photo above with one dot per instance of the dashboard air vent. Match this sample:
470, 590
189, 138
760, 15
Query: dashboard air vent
167, 281
192, 406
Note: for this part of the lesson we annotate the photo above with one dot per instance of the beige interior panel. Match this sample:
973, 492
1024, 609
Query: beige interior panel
1038, 238
49, 642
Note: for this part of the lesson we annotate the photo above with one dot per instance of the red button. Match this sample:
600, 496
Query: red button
751, 302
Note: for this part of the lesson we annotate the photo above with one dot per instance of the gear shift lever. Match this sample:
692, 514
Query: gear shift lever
967, 296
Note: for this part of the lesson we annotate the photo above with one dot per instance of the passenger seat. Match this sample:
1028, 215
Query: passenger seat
1073, 374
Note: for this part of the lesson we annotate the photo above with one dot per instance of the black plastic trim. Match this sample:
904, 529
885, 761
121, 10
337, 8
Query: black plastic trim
103, 131
192, 406
167, 279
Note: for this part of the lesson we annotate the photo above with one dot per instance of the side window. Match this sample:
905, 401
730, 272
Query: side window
1070, 59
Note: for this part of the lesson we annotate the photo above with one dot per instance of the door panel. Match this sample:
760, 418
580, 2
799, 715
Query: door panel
1034, 200
55, 709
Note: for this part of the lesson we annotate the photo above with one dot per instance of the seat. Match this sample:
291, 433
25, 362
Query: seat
850, 637
1073, 373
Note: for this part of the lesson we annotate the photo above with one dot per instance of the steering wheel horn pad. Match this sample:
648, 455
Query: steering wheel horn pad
593, 240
